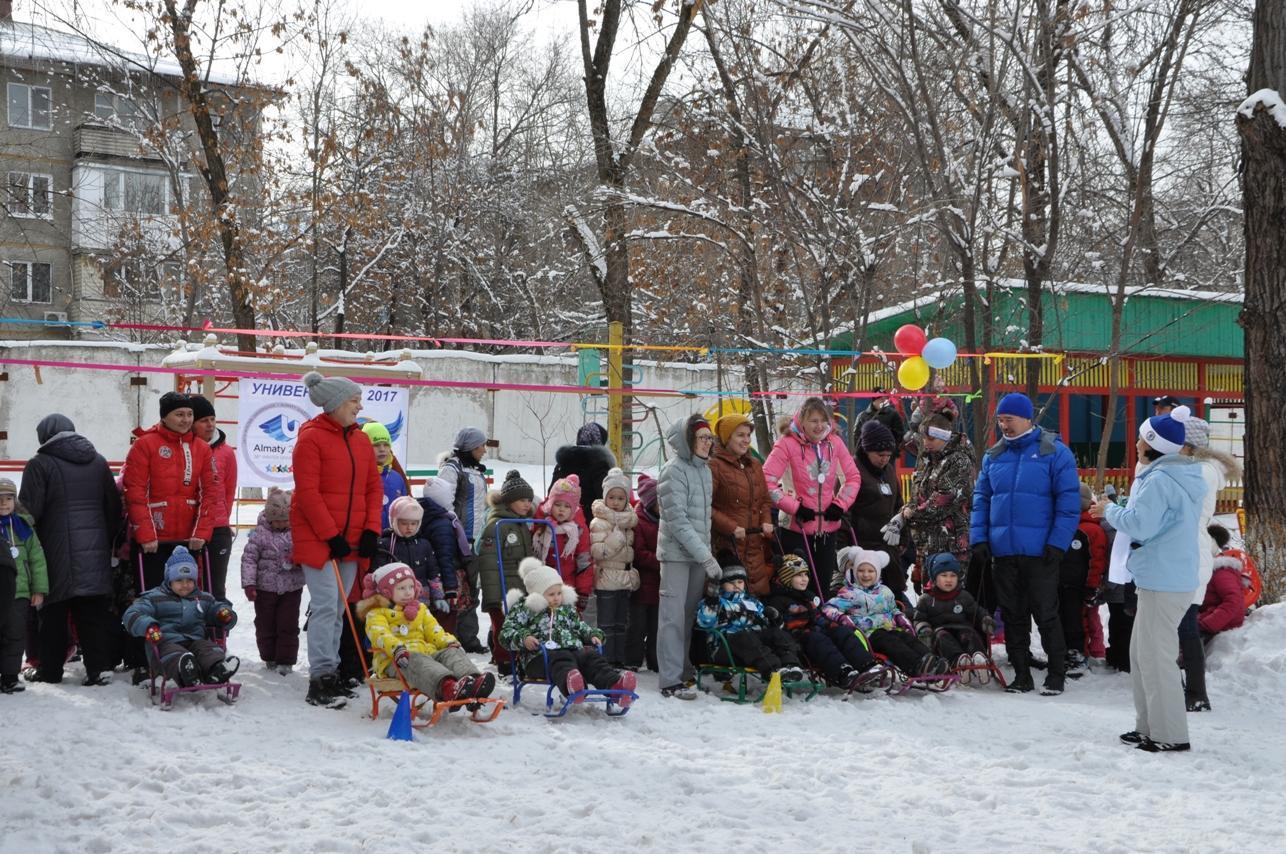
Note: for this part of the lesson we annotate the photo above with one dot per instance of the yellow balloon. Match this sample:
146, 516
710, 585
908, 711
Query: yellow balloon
727, 406
913, 373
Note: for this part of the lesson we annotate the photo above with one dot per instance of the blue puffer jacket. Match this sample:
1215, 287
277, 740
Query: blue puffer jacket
1162, 520
451, 547
1027, 496
734, 612
395, 486
181, 618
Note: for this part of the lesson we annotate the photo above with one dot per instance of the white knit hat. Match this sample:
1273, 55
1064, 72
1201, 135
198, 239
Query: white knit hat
616, 479
538, 578
852, 557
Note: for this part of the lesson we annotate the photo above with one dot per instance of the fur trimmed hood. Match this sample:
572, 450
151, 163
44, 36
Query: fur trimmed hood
535, 602
1224, 561
370, 603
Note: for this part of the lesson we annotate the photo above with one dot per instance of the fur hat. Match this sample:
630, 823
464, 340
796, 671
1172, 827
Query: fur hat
941, 562
330, 392
173, 400
439, 492
277, 505
875, 437
647, 490
382, 581
515, 489
616, 479
852, 557
728, 424
538, 578
1165, 434
201, 407
791, 565
405, 507
181, 566
469, 438
8, 487
592, 433
566, 489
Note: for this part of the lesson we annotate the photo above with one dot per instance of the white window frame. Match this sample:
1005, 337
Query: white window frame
30, 189
49, 99
30, 268
119, 176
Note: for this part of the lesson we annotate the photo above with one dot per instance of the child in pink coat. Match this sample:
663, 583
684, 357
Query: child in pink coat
815, 457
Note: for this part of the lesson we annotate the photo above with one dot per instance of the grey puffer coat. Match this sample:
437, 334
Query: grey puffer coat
684, 492
67, 487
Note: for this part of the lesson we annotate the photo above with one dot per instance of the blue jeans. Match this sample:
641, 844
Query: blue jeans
326, 617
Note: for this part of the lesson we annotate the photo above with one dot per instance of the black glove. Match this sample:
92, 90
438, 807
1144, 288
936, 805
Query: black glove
339, 547
772, 615
1053, 554
368, 545
803, 514
981, 553
451, 595
1093, 597
711, 600
833, 513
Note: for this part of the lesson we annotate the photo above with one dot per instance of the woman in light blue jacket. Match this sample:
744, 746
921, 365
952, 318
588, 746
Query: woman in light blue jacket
1162, 522
684, 492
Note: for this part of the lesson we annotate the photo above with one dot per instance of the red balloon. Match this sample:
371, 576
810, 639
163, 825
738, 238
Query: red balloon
909, 340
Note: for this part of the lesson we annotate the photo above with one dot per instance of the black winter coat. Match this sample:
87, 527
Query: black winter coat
954, 610
798, 608
69, 490
416, 552
590, 463
878, 499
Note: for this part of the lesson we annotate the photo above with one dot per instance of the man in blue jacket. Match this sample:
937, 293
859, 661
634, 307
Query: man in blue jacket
1026, 505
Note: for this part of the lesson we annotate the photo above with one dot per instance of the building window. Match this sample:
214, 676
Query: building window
28, 106
110, 107
30, 282
30, 195
104, 105
135, 192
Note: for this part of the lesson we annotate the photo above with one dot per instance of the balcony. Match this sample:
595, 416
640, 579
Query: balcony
96, 140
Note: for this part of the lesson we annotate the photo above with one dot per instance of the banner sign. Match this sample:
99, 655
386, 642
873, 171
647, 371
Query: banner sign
272, 411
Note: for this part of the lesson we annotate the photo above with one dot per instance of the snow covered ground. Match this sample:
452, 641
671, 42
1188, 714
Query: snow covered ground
100, 770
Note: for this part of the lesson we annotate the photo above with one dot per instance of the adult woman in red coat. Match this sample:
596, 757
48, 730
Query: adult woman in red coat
335, 515
171, 493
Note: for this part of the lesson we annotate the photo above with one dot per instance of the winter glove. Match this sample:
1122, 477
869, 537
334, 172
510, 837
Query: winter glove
772, 616
251, 593
988, 625
339, 548
833, 513
1093, 597
893, 530
223, 615
981, 554
713, 571
451, 595
1053, 554
442, 605
401, 657
153, 634
368, 545
804, 514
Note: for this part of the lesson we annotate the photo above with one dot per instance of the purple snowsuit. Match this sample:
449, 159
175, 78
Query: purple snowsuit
279, 585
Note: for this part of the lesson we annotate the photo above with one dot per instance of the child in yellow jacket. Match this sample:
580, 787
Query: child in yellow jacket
405, 637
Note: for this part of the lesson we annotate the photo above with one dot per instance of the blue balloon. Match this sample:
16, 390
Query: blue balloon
939, 353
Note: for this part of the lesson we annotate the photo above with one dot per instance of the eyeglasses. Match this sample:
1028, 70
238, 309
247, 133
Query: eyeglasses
705, 438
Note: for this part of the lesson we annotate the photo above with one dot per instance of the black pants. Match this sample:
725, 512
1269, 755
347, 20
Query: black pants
640, 636
1071, 606
466, 623
951, 642
1120, 628
980, 582
1193, 650
821, 550
13, 622
350, 665
592, 666
829, 649
1028, 589
900, 648
219, 550
97, 629
766, 650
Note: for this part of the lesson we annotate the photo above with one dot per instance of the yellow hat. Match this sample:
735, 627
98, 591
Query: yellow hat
728, 424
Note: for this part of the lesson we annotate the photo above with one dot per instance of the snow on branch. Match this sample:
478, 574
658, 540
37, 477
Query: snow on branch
1270, 100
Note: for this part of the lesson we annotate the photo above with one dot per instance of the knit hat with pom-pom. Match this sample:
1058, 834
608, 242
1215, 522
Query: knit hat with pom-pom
539, 579
330, 392
515, 489
616, 479
1165, 433
566, 489
388, 576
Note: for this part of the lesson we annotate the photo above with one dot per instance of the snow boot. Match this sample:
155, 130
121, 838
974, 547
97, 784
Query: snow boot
1075, 664
575, 684
285, 669
189, 673
1200, 704
1133, 737
869, 679
847, 673
224, 670
1053, 686
483, 685
449, 690
269, 665
627, 682
319, 696
1163, 746
926, 665
1021, 684
791, 674
337, 686
679, 691
94, 680
9, 684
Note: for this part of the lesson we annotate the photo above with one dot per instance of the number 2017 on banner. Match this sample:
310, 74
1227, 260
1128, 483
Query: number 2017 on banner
380, 395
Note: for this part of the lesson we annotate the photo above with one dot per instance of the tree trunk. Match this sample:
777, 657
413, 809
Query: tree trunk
1263, 316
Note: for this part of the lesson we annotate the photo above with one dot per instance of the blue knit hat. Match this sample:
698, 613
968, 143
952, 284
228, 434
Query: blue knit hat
942, 562
181, 566
1016, 404
1165, 433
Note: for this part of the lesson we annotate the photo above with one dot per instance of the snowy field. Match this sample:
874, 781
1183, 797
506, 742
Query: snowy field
100, 770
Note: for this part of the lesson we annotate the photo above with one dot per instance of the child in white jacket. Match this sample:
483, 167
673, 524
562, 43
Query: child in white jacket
611, 534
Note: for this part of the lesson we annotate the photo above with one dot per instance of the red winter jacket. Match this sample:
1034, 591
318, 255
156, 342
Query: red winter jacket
1225, 604
649, 568
338, 491
171, 493
225, 469
1097, 539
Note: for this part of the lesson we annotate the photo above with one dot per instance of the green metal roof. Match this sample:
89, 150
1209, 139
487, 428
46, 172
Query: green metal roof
1079, 318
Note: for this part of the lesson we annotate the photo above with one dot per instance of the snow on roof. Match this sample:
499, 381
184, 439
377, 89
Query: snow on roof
33, 42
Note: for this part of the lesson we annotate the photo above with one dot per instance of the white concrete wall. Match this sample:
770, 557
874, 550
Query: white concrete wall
529, 426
